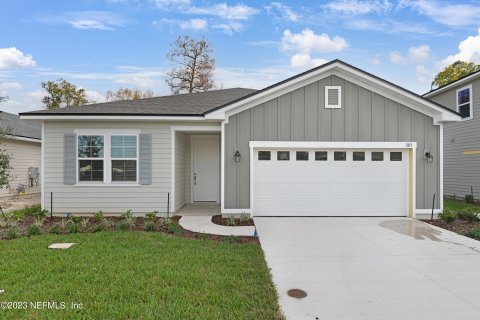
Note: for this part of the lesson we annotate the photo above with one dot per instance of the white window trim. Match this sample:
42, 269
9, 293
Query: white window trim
469, 87
333, 106
78, 159
107, 160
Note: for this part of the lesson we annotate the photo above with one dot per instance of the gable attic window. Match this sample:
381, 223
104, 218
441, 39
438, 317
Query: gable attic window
464, 102
333, 97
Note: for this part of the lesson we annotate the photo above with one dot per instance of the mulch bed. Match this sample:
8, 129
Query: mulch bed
224, 221
459, 226
23, 223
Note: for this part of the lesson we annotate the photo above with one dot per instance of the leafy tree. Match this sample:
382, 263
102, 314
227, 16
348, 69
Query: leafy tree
192, 69
128, 94
455, 71
62, 93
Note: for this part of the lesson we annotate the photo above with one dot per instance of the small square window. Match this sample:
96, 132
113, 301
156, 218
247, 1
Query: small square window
321, 156
464, 102
340, 156
377, 156
358, 156
263, 155
283, 155
302, 155
395, 156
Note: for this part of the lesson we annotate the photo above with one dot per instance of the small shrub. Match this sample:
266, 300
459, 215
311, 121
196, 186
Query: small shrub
55, 229
73, 228
85, 223
469, 198
33, 230
12, 233
174, 228
448, 216
99, 227
63, 224
231, 221
475, 234
75, 219
151, 216
244, 217
124, 225
26, 211
231, 239
38, 213
128, 215
468, 215
98, 216
149, 226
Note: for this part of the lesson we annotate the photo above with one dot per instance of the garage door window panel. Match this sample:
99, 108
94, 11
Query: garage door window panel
340, 156
377, 156
264, 155
395, 156
283, 155
321, 155
302, 155
358, 156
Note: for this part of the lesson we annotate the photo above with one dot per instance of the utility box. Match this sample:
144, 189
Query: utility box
33, 173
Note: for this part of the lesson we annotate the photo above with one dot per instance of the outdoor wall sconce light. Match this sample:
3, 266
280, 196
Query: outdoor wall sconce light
237, 156
429, 156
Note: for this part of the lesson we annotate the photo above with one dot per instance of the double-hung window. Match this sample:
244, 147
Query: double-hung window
464, 102
91, 157
123, 157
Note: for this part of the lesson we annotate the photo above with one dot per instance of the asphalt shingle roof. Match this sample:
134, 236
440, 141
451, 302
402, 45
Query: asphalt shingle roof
193, 104
12, 124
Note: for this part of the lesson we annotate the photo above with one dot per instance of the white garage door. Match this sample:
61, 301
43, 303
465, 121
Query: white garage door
360, 182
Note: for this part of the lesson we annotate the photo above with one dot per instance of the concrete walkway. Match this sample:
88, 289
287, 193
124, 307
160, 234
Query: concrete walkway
371, 269
204, 224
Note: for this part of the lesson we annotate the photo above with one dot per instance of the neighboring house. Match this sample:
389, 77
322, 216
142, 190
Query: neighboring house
461, 139
332, 141
22, 141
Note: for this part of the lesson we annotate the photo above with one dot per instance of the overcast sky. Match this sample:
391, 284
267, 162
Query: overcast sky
106, 44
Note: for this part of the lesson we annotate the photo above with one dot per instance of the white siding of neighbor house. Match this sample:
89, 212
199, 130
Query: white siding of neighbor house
24, 154
461, 171
109, 199
180, 169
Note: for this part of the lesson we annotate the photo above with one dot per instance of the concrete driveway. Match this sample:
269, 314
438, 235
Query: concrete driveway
371, 268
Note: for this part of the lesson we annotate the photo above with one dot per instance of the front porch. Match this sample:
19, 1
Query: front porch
196, 170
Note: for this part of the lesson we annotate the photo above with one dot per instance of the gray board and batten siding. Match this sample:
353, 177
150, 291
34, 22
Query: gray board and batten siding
301, 116
461, 171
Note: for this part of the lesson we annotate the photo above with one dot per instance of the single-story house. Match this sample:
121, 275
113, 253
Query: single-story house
332, 141
21, 139
461, 139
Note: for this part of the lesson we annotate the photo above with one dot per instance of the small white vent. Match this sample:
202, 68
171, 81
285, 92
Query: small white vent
333, 97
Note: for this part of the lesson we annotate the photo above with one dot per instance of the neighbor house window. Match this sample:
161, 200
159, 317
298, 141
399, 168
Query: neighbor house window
124, 158
302, 155
464, 102
283, 155
90, 157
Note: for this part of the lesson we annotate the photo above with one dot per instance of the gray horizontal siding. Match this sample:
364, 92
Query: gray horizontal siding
110, 199
461, 172
301, 115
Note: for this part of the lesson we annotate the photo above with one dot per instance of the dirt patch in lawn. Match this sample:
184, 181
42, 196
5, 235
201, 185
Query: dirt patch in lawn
238, 222
459, 226
89, 225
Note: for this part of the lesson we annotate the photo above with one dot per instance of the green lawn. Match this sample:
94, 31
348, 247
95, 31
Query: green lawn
457, 205
137, 275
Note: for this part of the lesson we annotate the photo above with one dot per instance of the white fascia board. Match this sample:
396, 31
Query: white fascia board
332, 145
13, 137
371, 83
125, 118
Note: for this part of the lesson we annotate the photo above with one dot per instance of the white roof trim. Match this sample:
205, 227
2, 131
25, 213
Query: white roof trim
369, 82
106, 117
331, 145
453, 84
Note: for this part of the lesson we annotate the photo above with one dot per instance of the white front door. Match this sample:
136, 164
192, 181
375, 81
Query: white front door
206, 168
